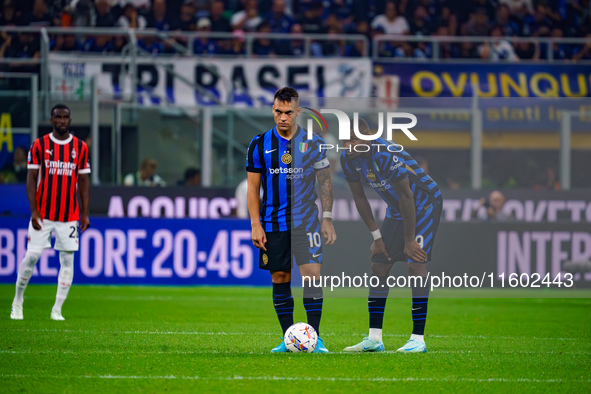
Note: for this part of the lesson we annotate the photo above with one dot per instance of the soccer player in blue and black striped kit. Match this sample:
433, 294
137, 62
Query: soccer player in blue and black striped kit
285, 225
407, 233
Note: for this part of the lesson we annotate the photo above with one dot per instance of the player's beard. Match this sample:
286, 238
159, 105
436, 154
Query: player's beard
62, 130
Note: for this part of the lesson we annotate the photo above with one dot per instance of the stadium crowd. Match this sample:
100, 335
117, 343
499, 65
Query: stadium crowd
504, 19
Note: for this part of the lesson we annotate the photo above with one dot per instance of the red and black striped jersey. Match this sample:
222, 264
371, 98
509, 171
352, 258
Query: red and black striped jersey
59, 162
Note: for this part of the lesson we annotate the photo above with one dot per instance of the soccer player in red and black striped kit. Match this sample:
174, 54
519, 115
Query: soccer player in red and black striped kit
57, 169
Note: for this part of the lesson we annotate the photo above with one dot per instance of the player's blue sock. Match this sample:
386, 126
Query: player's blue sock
376, 302
313, 305
283, 302
420, 299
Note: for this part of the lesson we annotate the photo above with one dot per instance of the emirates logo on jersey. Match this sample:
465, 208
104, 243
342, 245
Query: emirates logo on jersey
58, 167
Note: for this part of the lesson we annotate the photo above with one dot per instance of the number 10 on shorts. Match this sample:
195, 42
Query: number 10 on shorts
314, 239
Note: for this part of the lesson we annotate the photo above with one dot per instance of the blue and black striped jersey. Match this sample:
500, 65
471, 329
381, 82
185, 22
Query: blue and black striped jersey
287, 169
385, 168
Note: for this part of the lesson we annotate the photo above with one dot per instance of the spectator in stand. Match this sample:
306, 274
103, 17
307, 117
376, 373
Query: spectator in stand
142, 6
330, 48
446, 50
431, 8
549, 181
294, 46
65, 43
146, 176
311, 17
343, 10
465, 50
583, 52
390, 21
355, 49
487, 5
537, 25
526, 50
191, 178
421, 24
9, 15
560, 51
119, 43
16, 172
519, 8
150, 44
238, 43
501, 49
38, 17
477, 25
24, 46
248, 19
104, 14
509, 28
445, 17
131, 19
187, 21
219, 22
98, 44
204, 45
263, 46
157, 19
83, 14
491, 208
278, 20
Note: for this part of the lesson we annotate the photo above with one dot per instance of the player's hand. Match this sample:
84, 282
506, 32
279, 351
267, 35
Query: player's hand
36, 220
84, 223
379, 247
330, 236
259, 238
414, 251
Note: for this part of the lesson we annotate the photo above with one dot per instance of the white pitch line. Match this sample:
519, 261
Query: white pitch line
297, 378
142, 352
275, 334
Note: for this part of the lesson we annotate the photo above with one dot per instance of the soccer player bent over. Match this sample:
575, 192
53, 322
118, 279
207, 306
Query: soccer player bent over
408, 231
57, 169
285, 225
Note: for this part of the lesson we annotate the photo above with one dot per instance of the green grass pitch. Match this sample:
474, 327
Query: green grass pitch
154, 339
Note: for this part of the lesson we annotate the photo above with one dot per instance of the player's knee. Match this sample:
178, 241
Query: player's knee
378, 269
31, 258
416, 269
67, 259
279, 277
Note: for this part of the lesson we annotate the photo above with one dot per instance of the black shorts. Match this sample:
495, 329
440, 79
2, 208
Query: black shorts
304, 244
425, 231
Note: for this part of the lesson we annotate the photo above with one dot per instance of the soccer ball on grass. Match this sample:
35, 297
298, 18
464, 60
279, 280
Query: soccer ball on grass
301, 338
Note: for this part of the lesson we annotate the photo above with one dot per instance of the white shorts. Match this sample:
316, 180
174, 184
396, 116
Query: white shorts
66, 236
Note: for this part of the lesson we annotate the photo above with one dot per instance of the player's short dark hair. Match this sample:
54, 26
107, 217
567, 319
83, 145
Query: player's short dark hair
59, 106
363, 126
286, 94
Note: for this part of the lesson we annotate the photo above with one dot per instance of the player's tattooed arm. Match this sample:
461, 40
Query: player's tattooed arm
326, 199
326, 193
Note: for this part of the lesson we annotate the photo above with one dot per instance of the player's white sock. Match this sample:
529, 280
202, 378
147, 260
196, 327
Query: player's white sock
420, 338
375, 334
64, 280
25, 271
